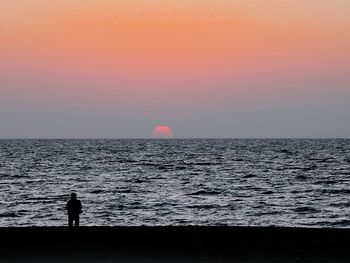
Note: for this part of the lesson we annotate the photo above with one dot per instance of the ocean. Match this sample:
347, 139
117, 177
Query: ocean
153, 182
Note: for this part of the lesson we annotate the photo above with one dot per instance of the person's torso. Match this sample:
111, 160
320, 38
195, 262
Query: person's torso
74, 206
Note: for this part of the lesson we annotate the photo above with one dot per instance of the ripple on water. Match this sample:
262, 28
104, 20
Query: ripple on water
306, 210
159, 182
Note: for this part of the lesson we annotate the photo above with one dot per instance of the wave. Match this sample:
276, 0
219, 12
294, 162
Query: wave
306, 210
322, 160
310, 168
249, 176
327, 182
336, 191
206, 192
124, 191
301, 177
344, 223
269, 192
342, 205
8, 214
203, 163
165, 167
202, 206
288, 152
97, 191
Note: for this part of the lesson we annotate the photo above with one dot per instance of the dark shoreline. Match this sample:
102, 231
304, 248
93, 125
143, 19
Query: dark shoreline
174, 244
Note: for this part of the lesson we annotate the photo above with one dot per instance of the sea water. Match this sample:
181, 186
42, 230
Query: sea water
246, 182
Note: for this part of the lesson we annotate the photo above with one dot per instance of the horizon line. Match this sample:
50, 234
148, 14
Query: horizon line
174, 138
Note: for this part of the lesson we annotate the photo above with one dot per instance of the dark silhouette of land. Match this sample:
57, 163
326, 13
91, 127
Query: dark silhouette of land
174, 244
74, 209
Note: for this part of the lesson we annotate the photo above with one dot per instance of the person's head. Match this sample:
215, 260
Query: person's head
73, 196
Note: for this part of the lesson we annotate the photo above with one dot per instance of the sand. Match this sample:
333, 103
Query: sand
174, 244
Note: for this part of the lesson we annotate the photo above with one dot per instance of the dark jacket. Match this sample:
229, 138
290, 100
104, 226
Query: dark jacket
74, 207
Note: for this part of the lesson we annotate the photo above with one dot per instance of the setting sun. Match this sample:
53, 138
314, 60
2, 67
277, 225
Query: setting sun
162, 132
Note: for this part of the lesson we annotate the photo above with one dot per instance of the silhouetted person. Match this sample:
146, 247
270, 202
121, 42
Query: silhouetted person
74, 210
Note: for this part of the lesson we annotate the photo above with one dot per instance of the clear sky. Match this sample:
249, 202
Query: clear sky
224, 68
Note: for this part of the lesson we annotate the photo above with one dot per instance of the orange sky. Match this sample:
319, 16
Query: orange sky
162, 55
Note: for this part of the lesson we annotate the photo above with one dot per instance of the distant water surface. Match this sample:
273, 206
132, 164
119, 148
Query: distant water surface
247, 182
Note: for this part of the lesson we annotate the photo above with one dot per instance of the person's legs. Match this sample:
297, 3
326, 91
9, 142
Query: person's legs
77, 221
70, 220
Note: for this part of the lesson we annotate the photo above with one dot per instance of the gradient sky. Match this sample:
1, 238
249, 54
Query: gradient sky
224, 68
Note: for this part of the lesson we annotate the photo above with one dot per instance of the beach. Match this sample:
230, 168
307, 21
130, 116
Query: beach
173, 244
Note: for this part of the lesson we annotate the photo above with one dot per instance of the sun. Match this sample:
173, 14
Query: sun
162, 131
